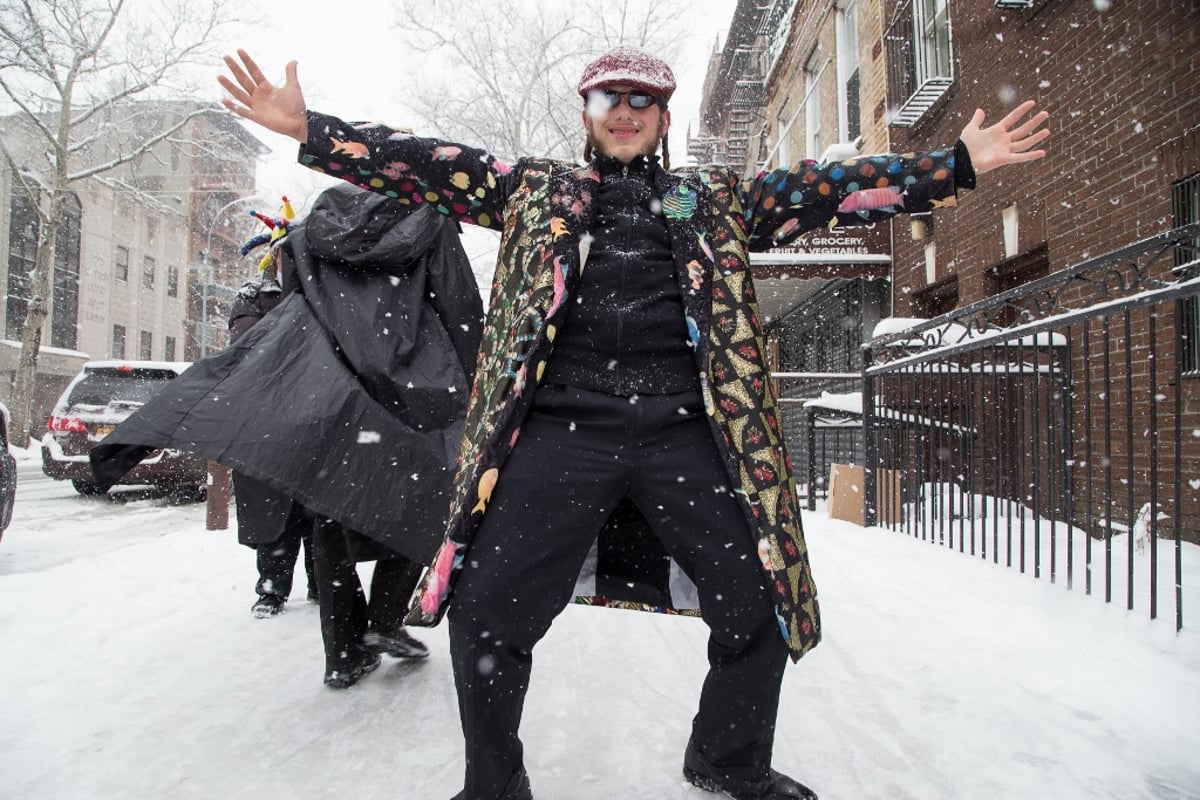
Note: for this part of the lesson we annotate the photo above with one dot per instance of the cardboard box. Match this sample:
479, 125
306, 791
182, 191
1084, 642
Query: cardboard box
846, 494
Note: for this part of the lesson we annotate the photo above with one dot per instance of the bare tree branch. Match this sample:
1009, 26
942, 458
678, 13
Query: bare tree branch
503, 76
75, 71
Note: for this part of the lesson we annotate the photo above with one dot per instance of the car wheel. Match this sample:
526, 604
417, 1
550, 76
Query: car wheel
86, 488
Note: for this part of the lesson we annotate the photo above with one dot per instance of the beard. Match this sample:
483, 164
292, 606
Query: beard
649, 150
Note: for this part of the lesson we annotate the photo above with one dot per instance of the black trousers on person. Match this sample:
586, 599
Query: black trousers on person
580, 453
277, 562
346, 612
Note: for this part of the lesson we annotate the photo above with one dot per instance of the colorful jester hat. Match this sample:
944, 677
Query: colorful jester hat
277, 229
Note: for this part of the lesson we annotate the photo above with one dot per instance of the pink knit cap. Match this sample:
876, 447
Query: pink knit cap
629, 66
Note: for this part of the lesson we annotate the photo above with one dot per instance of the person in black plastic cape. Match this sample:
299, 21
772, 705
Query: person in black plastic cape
267, 521
348, 397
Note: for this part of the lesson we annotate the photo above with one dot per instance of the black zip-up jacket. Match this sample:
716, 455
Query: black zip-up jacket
625, 331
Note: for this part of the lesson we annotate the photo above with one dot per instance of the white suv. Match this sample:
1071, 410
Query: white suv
99, 398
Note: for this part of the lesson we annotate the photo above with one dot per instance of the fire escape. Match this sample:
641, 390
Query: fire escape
732, 108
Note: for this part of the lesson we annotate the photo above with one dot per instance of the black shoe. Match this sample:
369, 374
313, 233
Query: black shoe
343, 677
396, 642
518, 788
775, 786
267, 605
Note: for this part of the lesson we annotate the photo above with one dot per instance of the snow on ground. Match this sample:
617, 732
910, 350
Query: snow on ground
130, 667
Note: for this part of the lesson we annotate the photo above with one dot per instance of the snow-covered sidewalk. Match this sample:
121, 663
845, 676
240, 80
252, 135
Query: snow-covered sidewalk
130, 667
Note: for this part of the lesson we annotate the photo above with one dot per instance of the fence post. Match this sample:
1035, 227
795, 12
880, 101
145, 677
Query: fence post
870, 450
811, 442
217, 516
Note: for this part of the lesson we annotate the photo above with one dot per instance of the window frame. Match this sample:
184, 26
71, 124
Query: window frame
920, 33
849, 69
118, 341
813, 72
1185, 209
121, 265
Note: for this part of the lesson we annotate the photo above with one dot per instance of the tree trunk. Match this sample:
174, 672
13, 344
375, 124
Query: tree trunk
40, 284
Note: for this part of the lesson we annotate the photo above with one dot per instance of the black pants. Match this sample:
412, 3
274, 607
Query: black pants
345, 612
579, 454
277, 561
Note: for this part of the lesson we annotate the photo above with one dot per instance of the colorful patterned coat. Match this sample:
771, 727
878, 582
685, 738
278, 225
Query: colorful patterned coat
544, 210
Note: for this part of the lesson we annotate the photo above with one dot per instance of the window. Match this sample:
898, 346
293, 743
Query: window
64, 317
783, 150
145, 345
1017, 271
812, 106
148, 273
22, 249
1185, 204
172, 281
169, 348
936, 298
776, 25
121, 263
118, 341
933, 39
848, 80
920, 63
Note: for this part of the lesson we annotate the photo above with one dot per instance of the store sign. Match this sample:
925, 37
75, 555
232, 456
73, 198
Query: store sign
840, 244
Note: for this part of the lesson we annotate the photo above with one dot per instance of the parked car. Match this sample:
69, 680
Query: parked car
100, 397
8, 473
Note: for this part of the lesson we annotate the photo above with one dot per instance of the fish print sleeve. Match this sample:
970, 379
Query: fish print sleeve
464, 183
781, 205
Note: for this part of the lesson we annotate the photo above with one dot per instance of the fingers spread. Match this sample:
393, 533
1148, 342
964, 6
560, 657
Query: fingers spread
1015, 115
241, 111
241, 77
251, 66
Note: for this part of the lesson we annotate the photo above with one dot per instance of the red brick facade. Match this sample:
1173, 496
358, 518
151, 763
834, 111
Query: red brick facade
1122, 86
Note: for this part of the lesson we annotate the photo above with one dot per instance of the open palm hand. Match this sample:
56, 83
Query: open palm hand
277, 108
1009, 141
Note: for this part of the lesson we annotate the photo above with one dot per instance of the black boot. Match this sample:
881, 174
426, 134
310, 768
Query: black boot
267, 605
396, 642
518, 788
698, 771
348, 672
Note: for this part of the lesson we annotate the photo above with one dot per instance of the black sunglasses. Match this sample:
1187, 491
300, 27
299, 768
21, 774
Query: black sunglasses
636, 98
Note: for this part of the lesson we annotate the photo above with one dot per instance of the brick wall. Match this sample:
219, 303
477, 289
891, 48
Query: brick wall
1123, 90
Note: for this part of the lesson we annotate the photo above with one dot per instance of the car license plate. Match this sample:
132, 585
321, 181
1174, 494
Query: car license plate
103, 430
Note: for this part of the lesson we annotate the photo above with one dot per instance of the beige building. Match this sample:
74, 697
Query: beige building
798, 81
133, 274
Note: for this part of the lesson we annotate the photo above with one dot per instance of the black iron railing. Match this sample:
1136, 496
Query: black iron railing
1051, 428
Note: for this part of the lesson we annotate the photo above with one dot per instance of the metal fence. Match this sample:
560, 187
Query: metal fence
1051, 427
819, 435
1054, 428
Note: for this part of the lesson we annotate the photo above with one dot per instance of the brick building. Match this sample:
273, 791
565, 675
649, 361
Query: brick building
1122, 83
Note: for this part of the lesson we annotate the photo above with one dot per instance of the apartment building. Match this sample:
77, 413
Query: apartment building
134, 276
